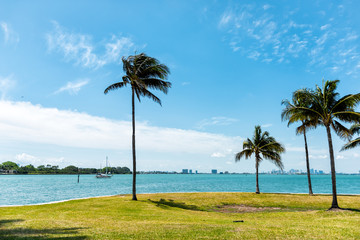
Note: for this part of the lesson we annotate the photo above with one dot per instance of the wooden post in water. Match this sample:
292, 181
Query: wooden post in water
78, 175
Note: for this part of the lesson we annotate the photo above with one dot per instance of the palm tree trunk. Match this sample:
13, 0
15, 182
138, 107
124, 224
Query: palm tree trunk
133, 146
257, 176
333, 173
308, 165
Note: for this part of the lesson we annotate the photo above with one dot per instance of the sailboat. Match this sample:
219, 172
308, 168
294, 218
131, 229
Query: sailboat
107, 174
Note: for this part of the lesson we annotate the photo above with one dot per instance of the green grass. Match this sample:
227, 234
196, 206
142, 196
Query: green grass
185, 216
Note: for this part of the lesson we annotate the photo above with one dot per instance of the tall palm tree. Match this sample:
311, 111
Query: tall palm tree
141, 73
263, 146
329, 110
305, 125
353, 143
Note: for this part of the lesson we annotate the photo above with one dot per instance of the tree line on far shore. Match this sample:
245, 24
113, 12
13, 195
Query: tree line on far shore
11, 167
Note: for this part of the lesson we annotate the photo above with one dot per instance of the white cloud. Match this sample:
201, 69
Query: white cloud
35, 124
219, 121
73, 87
266, 125
340, 157
324, 156
80, 48
10, 36
26, 159
218, 155
6, 84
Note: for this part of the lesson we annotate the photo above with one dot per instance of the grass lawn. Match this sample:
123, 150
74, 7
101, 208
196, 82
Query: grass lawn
186, 216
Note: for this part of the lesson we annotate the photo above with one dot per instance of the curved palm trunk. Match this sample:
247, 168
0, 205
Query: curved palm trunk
332, 164
133, 146
308, 165
257, 175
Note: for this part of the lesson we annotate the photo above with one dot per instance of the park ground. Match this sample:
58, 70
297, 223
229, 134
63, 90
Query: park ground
186, 216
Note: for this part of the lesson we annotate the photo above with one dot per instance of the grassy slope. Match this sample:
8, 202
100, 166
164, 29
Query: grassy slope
184, 216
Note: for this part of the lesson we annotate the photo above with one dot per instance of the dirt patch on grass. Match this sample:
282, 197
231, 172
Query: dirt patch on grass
244, 209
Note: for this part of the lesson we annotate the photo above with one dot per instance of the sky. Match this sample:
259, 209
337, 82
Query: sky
231, 63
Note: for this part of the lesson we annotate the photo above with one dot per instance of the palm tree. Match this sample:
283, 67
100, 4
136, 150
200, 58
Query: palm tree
141, 73
305, 124
327, 109
263, 146
353, 143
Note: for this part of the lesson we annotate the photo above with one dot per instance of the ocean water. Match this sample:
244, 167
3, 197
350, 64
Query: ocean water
36, 189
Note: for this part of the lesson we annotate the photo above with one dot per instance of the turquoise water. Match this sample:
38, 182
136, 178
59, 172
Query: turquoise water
35, 189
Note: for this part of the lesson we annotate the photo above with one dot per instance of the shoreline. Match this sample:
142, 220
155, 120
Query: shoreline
123, 195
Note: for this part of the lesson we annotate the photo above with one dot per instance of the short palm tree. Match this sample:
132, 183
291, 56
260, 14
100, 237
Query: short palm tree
305, 125
141, 73
328, 110
263, 146
355, 129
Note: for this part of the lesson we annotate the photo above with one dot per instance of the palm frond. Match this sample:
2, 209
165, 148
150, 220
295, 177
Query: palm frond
348, 116
157, 84
351, 144
355, 129
244, 153
115, 86
340, 130
148, 94
348, 102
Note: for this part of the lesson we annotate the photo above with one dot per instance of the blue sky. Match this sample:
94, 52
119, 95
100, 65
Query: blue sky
231, 62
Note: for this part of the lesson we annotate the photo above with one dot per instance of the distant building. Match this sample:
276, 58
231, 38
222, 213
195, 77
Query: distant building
185, 171
214, 171
190, 171
312, 171
226, 172
196, 172
321, 172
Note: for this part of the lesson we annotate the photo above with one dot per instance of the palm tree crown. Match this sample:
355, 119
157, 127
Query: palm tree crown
143, 73
325, 108
263, 146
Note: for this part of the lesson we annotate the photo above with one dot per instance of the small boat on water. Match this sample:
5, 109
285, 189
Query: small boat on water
107, 174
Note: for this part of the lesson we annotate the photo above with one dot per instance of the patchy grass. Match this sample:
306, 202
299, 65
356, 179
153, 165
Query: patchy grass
186, 216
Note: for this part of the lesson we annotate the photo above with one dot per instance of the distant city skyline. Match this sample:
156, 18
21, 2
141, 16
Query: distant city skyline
231, 63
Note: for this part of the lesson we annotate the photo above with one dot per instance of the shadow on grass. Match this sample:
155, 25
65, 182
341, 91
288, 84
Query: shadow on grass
163, 203
344, 209
352, 209
36, 234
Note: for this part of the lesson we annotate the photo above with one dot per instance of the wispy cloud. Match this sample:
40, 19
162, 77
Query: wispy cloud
6, 84
257, 32
219, 121
79, 48
10, 36
73, 87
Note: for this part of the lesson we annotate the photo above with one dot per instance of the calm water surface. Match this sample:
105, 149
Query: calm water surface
34, 189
